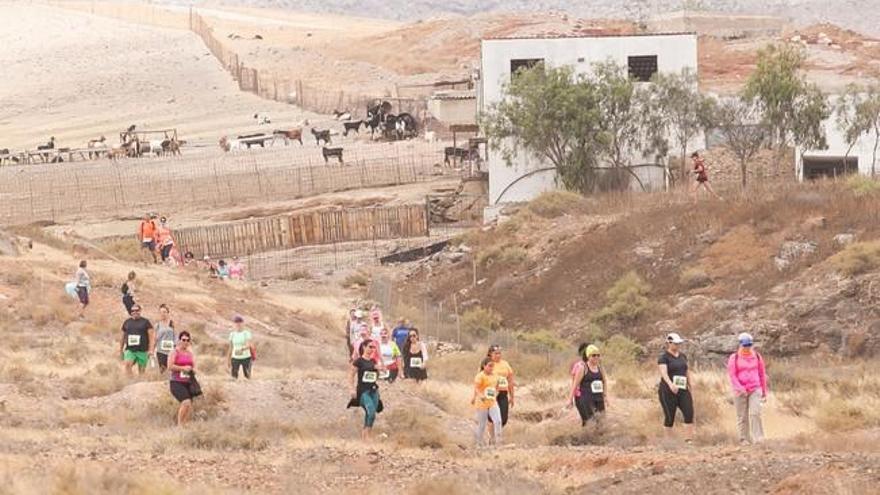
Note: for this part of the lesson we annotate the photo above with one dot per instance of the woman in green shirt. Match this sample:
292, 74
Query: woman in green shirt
241, 352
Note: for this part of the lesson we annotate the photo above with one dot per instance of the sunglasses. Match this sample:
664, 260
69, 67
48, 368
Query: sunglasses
595, 355
371, 347
184, 340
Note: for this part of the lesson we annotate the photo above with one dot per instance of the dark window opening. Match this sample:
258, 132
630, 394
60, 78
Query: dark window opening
643, 67
829, 167
519, 64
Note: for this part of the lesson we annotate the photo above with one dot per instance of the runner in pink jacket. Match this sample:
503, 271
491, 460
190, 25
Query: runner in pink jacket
748, 377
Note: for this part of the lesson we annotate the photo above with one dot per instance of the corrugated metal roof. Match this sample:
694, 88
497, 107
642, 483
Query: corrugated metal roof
454, 95
586, 35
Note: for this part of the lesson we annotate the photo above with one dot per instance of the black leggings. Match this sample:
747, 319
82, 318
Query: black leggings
244, 364
166, 251
504, 406
589, 404
128, 301
670, 402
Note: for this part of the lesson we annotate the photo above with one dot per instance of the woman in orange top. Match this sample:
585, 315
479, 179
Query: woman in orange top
147, 235
164, 239
485, 401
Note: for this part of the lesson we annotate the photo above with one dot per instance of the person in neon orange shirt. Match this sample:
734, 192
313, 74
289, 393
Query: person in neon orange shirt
147, 235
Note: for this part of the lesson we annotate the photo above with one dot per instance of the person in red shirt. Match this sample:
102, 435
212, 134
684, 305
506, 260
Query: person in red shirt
702, 177
164, 239
147, 235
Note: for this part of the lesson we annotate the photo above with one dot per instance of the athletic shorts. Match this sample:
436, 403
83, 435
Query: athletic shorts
139, 357
83, 294
151, 245
162, 359
180, 391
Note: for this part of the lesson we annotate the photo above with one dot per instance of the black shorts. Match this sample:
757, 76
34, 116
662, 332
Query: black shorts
166, 251
151, 245
180, 391
163, 360
83, 294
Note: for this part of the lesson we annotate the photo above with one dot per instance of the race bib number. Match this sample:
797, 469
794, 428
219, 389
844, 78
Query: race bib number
502, 382
597, 387
489, 393
184, 375
240, 353
370, 377
148, 239
384, 375
134, 340
166, 346
680, 382
415, 362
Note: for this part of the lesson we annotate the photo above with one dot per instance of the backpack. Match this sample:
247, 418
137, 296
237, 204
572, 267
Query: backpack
125, 288
736, 361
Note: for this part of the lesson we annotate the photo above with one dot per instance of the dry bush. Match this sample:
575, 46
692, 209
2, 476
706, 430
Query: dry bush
102, 380
629, 383
458, 367
296, 275
862, 185
545, 391
627, 301
357, 280
416, 429
544, 339
620, 351
91, 417
510, 227
847, 414
694, 278
126, 250
225, 436
857, 258
16, 372
553, 204
479, 321
451, 398
86, 479
204, 344
528, 366
740, 252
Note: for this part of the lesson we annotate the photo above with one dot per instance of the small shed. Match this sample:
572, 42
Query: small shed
454, 107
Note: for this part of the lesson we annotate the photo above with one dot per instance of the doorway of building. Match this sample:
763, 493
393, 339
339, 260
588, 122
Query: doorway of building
829, 167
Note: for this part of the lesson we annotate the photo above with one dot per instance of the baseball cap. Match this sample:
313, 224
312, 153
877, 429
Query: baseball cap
494, 348
359, 313
745, 339
674, 338
238, 319
591, 350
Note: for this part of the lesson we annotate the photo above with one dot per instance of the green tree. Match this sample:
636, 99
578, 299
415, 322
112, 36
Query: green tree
858, 113
678, 106
744, 129
792, 108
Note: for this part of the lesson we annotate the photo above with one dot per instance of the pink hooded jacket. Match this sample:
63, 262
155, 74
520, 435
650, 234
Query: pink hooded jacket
747, 373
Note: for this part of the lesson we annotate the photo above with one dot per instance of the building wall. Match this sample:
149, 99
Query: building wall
837, 147
674, 53
453, 111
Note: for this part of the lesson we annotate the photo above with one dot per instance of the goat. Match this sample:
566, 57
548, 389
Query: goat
262, 118
323, 135
328, 152
289, 135
343, 115
48, 146
99, 145
172, 146
352, 126
405, 126
463, 153
114, 154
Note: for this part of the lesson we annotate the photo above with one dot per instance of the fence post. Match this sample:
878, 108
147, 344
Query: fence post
457, 317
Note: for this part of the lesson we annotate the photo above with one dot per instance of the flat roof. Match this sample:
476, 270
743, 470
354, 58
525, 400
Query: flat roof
585, 35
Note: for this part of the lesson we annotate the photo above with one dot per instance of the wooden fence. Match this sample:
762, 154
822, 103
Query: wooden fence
305, 229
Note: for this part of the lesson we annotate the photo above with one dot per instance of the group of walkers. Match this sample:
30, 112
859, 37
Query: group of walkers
745, 369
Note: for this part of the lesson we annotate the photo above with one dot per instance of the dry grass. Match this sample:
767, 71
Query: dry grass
357, 280
627, 301
102, 380
479, 321
848, 414
416, 428
126, 250
694, 278
85, 479
857, 258
862, 185
553, 204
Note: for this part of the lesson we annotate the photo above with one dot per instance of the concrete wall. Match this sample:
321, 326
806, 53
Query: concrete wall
837, 147
675, 52
453, 111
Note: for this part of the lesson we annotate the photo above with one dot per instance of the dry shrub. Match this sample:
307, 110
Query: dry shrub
507, 254
528, 366
553, 204
451, 398
479, 321
296, 275
210, 364
845, 414
224, 436
91, 417
620, 351
857, 258
694, 278
485, 481
103, 379
862, 185
629, 383
357, 280
458, 367
545, 391
87, 479
739, 252
16, 372
627, 301
204, 344
125, 250
544, 339
417, 429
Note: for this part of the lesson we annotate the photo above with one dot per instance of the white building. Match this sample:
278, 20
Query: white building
835, 161
644, 54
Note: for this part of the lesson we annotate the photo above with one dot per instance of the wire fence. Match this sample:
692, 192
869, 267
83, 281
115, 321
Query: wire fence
52, 192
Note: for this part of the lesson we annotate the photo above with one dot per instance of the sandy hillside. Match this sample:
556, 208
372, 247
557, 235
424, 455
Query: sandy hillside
77, 76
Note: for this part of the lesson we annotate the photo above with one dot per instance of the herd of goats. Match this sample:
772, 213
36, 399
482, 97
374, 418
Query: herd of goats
133, 143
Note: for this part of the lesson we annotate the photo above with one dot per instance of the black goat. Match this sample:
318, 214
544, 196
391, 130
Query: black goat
328, 152
352, 126
48, 146
321, 136
462, 153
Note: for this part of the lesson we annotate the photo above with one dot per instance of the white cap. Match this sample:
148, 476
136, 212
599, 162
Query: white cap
674, 338
745, 338
359, 313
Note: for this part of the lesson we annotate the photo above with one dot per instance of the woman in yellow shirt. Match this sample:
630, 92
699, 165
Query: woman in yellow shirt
484, 400
506, 384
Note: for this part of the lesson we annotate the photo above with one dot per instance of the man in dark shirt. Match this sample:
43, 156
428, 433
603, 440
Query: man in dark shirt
138, 341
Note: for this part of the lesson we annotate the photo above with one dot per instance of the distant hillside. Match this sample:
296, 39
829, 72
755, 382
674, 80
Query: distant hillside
860, 15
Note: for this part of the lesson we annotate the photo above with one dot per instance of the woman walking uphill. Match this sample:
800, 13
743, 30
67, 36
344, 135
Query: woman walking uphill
415, 357
364, 379
241, 349
83, 287
182, 365
486, 403
748, 377
589, 389
165, 337
675, 385
506, 383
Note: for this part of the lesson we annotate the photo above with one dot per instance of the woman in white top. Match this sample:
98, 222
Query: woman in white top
83, 287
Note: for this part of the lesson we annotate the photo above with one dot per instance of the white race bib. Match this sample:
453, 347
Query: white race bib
134, 340
502, 382
489, 393
166, 345
597, 387
240, 353
415, 362
184, 375
370, 377
680, 382
148, 239
384, 374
